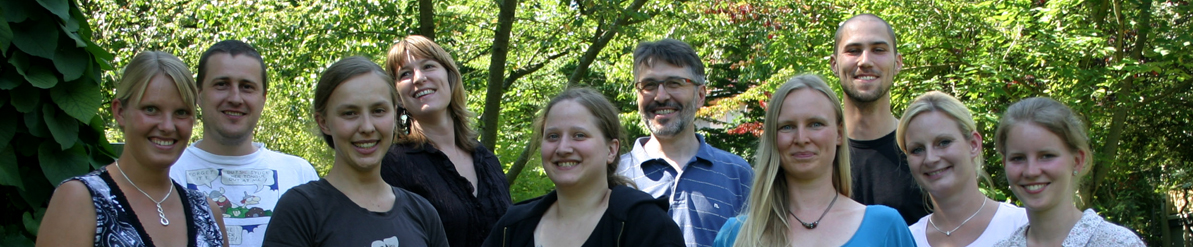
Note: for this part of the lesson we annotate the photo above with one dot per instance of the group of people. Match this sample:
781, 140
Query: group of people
408, 170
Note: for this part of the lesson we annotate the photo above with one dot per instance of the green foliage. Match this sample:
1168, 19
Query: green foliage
51, 94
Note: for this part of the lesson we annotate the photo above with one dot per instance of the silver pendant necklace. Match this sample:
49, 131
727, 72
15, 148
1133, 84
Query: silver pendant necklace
160, 213
950, 233
817, 222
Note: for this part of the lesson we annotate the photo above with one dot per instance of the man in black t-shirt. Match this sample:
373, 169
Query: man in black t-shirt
866, 60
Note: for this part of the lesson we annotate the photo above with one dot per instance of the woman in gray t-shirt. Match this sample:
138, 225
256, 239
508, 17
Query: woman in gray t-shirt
352, 206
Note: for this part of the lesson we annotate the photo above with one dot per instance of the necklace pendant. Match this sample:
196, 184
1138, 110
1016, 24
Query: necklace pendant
162, 215
810, 225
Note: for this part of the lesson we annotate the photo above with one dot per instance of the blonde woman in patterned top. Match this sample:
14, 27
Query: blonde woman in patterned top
1045, 152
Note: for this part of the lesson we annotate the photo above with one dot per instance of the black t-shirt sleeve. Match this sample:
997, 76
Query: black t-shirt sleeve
292, 223
649, 225
432, 225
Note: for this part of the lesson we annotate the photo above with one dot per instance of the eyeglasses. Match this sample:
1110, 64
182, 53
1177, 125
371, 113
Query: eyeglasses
671, 83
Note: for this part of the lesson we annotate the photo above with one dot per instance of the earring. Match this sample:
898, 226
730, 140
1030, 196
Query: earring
1074, 173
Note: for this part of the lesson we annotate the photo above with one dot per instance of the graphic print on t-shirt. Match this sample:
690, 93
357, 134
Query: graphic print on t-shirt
387, 242
246, 198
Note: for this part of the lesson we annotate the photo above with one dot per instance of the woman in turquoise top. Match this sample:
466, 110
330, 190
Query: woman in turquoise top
802, 175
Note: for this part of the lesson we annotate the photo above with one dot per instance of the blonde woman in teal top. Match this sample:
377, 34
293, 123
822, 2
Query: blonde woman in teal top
800, 195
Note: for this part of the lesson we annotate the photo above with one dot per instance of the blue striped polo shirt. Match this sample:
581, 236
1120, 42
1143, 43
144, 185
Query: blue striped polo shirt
712, 187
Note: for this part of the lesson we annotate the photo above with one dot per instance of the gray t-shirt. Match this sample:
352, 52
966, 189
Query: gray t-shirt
317, 214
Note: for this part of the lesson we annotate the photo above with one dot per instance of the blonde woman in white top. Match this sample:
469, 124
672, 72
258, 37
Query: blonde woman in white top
944, 152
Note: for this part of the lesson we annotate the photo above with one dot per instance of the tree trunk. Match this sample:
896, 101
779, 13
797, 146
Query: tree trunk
1124, 102
426, 19
601, 40
501, 42
519, 164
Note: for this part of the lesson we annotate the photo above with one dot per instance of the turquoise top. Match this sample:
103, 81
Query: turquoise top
881, 226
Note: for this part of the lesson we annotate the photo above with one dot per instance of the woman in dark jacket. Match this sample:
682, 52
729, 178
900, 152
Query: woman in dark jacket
579, 135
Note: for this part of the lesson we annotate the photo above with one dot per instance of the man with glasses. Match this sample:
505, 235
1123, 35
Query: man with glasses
705, 186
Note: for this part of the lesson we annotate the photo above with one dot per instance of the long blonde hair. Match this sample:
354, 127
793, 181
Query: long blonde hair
766, 223
131, 87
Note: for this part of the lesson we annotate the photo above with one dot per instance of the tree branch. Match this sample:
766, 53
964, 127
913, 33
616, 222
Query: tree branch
519, 73
1167, 93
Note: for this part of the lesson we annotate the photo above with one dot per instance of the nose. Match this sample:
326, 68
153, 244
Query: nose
235, 97
418, 75
564, 148
366, 124
660, 94
931, 156
865, 60
801, 136
167, 124
1033, 168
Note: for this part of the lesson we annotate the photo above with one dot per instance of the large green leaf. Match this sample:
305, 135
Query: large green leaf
71, 62
102, 57
25, 98
70, 28
79, 98
63, 127
39, 38
31, 224
19, 62
9, 174
36, 125
41, 77
5, 33
58, 164
60, 8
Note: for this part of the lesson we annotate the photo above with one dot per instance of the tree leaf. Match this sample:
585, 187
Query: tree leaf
35, 124
25, 98
8, 128
63, 127
41, 77
72, 34
9, 174
31, 224
8, 81
20, 62
5, 33
61, 8
16, 11
71, 62
39, 38
80, 99
59, 165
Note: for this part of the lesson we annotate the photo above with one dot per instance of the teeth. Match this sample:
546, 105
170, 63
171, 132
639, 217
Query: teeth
365, 145
663, 112
867, 77
1034, 187
567, 164
424, 92
234, 113
162, 142
936, 173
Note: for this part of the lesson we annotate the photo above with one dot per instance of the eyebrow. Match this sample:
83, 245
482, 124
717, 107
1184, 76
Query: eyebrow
875, 43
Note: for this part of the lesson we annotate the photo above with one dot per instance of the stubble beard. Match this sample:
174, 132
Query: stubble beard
671, 127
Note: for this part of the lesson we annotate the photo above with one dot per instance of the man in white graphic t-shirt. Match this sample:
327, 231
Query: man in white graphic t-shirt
243, 177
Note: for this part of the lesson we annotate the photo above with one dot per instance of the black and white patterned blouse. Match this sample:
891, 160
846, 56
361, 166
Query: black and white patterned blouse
117, 225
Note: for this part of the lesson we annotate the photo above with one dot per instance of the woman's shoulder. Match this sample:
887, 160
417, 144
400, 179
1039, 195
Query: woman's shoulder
882, 213
1105, 232
630, 204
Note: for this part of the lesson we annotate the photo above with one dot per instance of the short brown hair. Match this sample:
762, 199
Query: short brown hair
670, 51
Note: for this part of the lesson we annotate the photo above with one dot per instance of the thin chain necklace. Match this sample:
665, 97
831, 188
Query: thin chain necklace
817, 222
160, 214
950, 233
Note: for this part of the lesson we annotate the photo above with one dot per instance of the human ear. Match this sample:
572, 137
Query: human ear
614, 145
118, 112
322, 123
975, 144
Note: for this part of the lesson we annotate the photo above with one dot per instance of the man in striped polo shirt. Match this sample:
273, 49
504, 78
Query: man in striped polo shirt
705, 186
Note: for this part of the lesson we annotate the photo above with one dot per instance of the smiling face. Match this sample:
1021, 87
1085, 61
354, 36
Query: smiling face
232, 97
808, 134
574, 150
865, 60
1040, 167
941, 158
423, 86
157, 128
668, 112
360, 120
